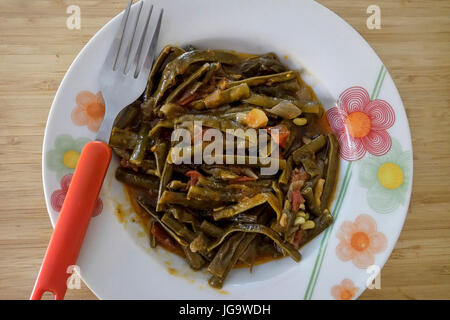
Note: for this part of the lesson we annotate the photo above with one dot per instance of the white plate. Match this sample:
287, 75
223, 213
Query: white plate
373, 190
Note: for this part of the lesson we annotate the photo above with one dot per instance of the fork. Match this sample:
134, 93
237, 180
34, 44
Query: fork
122, 80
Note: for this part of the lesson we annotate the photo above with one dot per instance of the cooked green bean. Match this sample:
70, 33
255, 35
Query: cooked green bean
171, 111
148, 108
309, 149
200, 243
185, 216
147, 209
264, 64
262, 100
123, 139
213, 67
311, 108
290, 228
128, 115
251, 253
220, 195
163, 182
216, 122
147, 165
262, 229
169, 197
195, 260
221, 97
268, 80
247, 204
245, 218
225, 268
293, 136
180, 64
264, 184
311, 166
247, 187
282, 90
141, 144
175, 185
308, 194
225, 257
186, 83
287, 172
211, 229
161, 151
157, 66
332, 169
277, 190
179, 228
166, 123
136, 179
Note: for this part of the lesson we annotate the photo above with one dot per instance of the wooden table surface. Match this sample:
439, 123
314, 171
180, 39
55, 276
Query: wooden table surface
36, 48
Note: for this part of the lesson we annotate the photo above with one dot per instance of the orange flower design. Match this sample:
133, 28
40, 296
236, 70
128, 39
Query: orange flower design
346, 290
89, 111
360, 241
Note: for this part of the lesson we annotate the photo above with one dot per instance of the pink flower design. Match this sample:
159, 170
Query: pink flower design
361, 124
346, 290
58, 196
360, 241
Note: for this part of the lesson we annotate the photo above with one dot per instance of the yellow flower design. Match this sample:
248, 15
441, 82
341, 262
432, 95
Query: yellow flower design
64, 157
387, 178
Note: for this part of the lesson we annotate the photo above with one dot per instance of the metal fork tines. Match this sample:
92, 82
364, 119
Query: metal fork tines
128, 62
119, 54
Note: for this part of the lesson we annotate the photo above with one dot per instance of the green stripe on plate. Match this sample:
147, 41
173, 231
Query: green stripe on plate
381, 81
377, 82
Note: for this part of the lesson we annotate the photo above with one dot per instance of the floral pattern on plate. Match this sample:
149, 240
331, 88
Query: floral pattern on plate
386, 178
361, 124
58, 196
64, 156
360, 241
346, 290
89, 111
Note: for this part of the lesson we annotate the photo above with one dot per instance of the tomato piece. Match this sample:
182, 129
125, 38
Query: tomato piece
298, 238
283, 134
194, 175
297, 199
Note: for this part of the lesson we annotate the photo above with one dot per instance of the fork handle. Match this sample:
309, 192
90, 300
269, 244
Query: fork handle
73, 220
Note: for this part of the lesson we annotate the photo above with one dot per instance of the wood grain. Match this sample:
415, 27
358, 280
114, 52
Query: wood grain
36, 49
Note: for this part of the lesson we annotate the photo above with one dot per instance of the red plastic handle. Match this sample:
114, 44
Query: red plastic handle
73, 220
